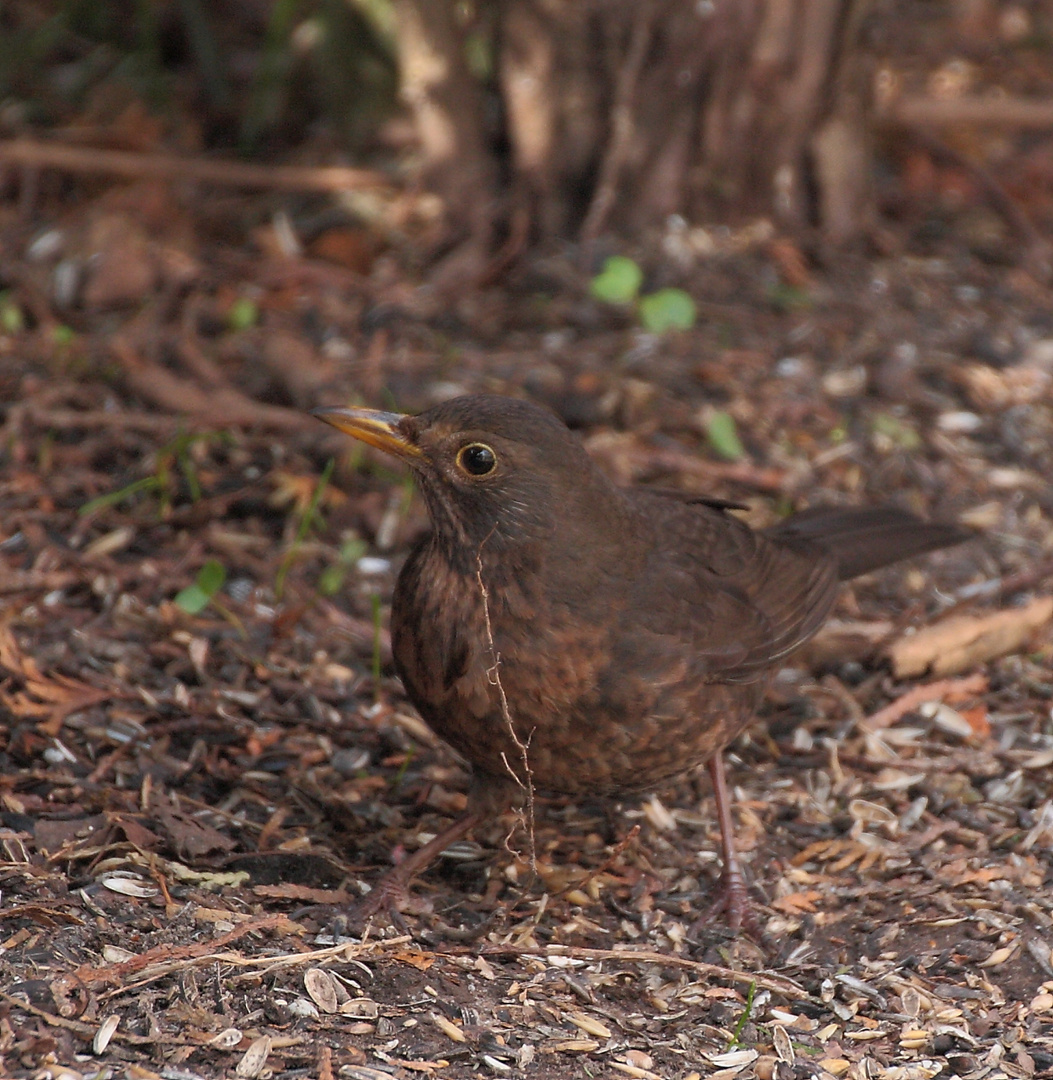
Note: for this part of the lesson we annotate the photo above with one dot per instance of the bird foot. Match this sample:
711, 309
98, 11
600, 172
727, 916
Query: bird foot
390, 896
384, 903
731, 900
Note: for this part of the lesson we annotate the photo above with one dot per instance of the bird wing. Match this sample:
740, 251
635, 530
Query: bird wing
738, 600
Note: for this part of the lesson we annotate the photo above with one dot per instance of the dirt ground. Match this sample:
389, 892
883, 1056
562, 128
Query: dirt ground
181, 791
196, 785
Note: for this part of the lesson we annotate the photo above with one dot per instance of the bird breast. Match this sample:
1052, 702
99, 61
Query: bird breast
589, 722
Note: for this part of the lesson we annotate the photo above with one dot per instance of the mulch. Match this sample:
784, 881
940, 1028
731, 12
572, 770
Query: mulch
188, 799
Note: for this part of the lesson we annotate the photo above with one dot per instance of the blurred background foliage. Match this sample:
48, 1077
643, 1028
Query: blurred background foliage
249, 75
538, 121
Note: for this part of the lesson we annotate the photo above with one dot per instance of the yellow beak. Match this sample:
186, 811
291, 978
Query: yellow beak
379, 429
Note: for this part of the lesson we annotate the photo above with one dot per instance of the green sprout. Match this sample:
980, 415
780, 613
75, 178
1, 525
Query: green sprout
176, 452
244, 314
667, 309
743, 1019
723, 436
12, 321
332, 578
196, 597
307, 520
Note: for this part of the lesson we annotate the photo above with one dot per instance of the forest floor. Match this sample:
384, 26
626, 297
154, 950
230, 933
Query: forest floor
187, 776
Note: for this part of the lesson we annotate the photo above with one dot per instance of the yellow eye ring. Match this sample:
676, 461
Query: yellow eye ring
476, 459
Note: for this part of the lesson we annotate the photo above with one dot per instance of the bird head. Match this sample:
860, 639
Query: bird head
495, 472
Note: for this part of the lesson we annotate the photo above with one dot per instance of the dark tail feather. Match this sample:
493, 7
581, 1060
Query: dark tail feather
866, 539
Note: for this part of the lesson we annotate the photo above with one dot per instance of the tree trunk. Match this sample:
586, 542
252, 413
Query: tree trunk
447, 103
615, 114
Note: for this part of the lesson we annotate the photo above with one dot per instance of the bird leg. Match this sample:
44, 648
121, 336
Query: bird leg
732, 897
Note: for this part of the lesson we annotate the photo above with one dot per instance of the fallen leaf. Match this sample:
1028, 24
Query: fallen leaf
796, 902
960, 643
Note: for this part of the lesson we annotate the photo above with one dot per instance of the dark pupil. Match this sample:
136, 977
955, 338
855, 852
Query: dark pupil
478, 460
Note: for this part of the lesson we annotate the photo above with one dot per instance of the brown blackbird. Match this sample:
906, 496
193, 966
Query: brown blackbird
626, 636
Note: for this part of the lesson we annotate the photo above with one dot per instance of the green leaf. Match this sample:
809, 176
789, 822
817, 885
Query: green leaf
331, 579
789, 298
195, 598
352, 550
897, 431
11, 319
618, 282
667, 309
243, 314
479, 55
723, 436
112, 498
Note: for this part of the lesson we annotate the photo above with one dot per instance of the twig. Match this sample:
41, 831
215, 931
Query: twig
494, 676
87, 1031
1001, 587
222, 407
833, 685
269, 964
918, 695
999, 112
19, 581
83, 419
763, 478
779, 984
90, 159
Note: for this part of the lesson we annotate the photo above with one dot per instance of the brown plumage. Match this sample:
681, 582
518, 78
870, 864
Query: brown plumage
635, 630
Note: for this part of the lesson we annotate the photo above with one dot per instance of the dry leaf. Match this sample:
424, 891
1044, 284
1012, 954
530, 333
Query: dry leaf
421, 961
49, 698
797, 901
962, 642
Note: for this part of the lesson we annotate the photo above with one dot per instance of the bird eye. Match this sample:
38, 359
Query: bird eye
477, 459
